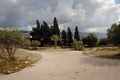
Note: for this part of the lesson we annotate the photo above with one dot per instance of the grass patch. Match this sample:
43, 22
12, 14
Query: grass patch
23, 59
103, 52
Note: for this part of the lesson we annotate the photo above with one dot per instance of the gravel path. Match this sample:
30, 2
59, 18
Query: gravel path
59, 64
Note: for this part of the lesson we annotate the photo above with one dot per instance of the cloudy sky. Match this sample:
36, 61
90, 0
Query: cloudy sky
88, 15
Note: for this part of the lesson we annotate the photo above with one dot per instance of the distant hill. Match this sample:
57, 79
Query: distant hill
82, 34
98, 34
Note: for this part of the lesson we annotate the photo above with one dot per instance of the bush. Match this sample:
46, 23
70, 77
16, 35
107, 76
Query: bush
113, 34
26, 43
9, 41
78, 45
35, 44
103, 42
90, 40
55, 38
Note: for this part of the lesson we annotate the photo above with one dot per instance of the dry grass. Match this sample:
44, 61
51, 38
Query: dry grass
23, 59
104, 52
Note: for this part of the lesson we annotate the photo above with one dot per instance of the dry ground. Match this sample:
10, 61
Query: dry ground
64, 64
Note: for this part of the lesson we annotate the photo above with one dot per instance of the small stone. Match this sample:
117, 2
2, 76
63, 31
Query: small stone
77, 72
26, 62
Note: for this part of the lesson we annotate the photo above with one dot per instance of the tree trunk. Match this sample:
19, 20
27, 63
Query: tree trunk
11, 51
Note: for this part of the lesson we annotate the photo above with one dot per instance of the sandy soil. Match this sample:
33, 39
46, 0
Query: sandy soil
63, 64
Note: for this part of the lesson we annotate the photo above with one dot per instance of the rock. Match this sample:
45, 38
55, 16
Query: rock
26, 62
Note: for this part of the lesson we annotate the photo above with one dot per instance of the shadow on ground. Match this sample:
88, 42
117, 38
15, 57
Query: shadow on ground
100, 61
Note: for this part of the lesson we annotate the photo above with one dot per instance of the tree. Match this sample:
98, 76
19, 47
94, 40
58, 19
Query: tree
64, 38
103, 42
113, 34
26, 43
69, 34
35, 33
9, 41
35, 44
76, 35
46, 33
90, 40
41, 33
55, 38
56, 30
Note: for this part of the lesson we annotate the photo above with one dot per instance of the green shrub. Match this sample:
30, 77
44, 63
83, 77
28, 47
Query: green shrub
9, 41
78, 45
35, 44
103, 42
90, 40
26, 43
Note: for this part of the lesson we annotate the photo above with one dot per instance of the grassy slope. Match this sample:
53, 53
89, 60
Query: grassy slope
104, 52
24, 59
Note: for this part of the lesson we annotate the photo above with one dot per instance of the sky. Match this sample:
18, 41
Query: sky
117, 1
88, 15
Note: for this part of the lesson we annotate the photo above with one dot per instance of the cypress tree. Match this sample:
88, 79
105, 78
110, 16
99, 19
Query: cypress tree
35, 31
76, 35
38, 24
64, 37
46, 33
69, 34
56, 30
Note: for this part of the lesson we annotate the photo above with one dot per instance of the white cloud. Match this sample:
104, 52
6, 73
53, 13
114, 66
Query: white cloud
89, 15
14, 1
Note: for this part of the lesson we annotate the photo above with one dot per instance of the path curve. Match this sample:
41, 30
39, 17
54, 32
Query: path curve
60, 64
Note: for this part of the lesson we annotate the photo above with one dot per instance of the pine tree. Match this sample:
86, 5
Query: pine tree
69, 34
38, 24
64, 37
76, 35
35, 31
56, 30
46, 33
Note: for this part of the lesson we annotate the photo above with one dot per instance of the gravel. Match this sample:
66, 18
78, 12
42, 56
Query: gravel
64, 64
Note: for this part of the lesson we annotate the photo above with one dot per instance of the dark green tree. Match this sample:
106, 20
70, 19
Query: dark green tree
64, 38
76, 35
90, 40
46, 33
103, 42
35, 33
70, 37
113, 34
56, 30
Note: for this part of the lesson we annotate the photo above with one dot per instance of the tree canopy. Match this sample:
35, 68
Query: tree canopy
76, 35
9, 40
70, 37
56, 30
64, 37
90, 40
113, 34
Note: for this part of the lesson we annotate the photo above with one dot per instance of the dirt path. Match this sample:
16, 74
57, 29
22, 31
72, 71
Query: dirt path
61, 64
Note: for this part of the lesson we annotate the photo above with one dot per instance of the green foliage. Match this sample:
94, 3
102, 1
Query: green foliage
26, 43
64, 38
69, 34
55, 38
78, 45
35, 33
90, 40
76, 35
113, 34
35, 44
9, 40
56, 30
43, 32
103, 42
